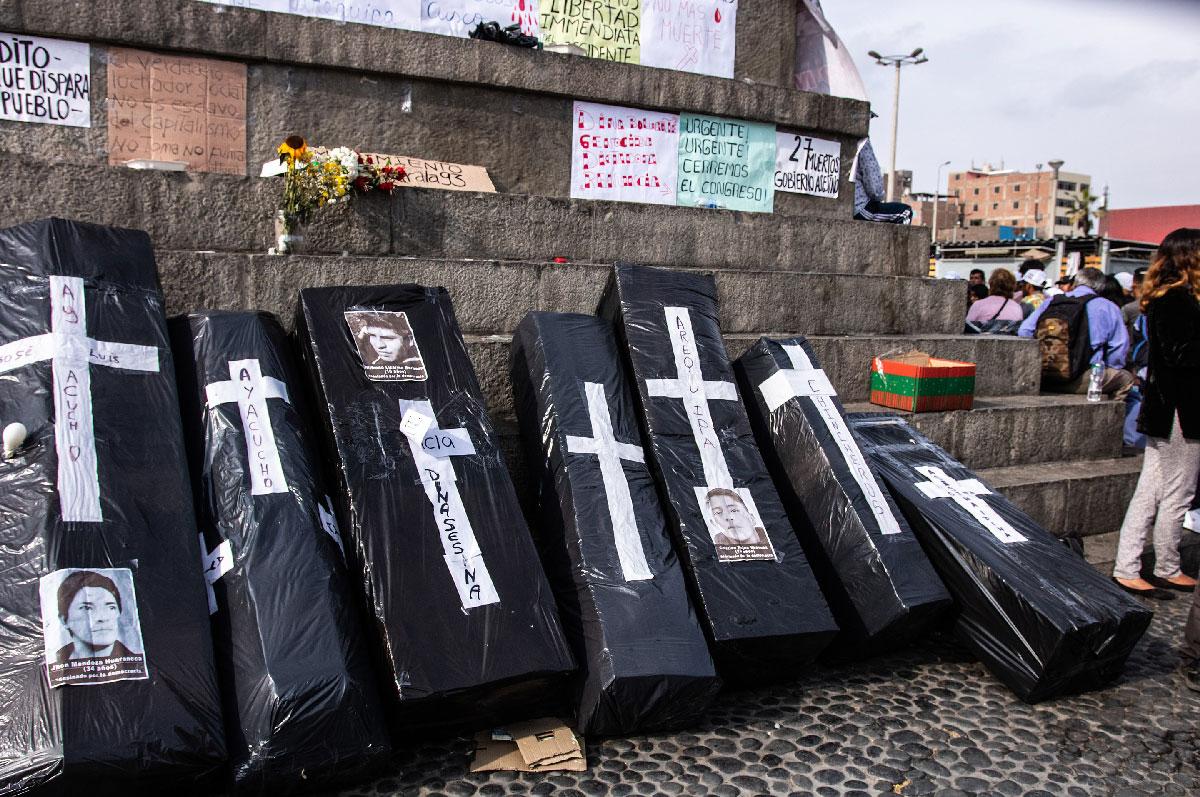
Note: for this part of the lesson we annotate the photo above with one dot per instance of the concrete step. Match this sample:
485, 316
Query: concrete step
1021, 430
1078, 498
236, 214
846, 360
492, 296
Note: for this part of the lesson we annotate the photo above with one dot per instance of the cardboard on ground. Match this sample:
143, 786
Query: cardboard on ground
541, 745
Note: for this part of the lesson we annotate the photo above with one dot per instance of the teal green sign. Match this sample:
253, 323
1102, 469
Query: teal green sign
726, 163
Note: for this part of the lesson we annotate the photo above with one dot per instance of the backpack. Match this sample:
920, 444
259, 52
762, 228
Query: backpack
1062, 334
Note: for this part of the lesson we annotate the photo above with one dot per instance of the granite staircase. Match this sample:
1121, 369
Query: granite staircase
855, 289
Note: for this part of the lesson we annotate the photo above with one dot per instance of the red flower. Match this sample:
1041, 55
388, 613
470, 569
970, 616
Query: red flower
400, 173
387, 185
361, 183
370, 159
387, 170
360, 160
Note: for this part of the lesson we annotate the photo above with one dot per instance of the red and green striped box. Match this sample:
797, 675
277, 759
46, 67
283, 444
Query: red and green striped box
917, 382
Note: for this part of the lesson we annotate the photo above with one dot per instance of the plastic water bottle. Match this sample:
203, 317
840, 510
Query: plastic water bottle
1096, 382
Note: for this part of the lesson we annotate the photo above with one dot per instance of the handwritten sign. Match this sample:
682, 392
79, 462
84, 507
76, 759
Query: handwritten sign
624, 154
459, 17
690, 35
806, 165
45, 80
168, 108
384, 13
421, 173
726, 163
605, 29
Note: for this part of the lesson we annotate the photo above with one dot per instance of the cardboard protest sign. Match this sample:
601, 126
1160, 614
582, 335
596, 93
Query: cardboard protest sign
726, 163
459, 17
690, 35
384, 13
169, 108
807, 165
45, 80
421, 173
623, 154
605, 29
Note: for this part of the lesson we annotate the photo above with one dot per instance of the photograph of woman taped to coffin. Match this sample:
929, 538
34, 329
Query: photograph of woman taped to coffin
92, 631
89, 606
736, 527
386, 345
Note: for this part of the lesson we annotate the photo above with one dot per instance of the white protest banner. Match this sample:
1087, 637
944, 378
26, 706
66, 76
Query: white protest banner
807, 165
689, 35
45, 80
404, 14
623, 154
459, 17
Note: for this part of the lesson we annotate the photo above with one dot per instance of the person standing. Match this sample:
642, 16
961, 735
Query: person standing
998, 312
1170, 418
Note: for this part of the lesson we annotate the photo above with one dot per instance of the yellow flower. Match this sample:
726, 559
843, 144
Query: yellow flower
292, 149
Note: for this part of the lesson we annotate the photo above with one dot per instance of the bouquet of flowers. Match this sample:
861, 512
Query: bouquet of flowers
317, 177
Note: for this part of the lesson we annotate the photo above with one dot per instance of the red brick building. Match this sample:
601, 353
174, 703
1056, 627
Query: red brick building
989, 197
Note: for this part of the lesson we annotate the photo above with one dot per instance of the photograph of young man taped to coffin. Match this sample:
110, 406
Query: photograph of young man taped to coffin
734, 525
386, 345
91, 628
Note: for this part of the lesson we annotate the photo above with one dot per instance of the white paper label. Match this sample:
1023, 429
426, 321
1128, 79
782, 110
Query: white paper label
215, 564
250, 390
807, 165
383, 13
447, 443
45, 80
460, 549
329, 523
609, 452
624, 154
690, 35
967, 493
414, 425
459, 17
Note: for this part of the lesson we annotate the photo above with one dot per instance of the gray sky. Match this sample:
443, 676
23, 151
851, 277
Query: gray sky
1112, 87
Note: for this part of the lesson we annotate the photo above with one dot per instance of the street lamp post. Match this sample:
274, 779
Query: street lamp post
913, 58
937, 189
1055, 165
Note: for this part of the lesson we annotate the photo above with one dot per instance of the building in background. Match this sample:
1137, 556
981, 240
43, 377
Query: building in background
1148, 225
1029, 204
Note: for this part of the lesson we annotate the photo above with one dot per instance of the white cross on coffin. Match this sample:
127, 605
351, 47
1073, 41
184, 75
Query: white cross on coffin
802, 380
967, 494
432, 448
609, 452
689, 385
249, 389
71, 353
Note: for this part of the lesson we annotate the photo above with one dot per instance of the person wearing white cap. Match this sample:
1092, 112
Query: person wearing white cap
1032, 284
1126, 280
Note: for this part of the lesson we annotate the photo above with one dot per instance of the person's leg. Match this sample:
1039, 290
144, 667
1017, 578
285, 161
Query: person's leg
1117, 383
1178, 463
1190, 650
1139, 518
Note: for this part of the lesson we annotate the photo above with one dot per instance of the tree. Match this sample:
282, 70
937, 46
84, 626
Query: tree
1081, 212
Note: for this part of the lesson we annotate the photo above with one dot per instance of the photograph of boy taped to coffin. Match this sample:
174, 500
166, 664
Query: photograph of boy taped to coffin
733, 524
90, 627
386, 345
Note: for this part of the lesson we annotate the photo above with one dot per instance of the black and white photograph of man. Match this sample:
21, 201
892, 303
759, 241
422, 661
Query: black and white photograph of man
386, 345
91, 629
734, 526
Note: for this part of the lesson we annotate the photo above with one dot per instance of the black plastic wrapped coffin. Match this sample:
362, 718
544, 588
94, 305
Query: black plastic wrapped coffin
301, 705
466, 625
879, 583
753, 588
106, 667
1040, 617
602, 535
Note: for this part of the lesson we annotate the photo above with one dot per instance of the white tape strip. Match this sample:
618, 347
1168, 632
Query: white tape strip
967, 494
251, 390
214, 565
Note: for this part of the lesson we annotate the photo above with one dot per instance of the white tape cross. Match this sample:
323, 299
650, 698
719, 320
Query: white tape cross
802, 380
967, 494
72, 353
461, 551
609, 452
250, 390
690, 386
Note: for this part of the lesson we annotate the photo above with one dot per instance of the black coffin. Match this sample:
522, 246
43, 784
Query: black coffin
121, 689
1038, 615
879, 583
301, 705
467, 629
752, 585
602, 535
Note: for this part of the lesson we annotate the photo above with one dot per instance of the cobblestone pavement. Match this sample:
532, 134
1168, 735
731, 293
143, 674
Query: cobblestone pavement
930, 720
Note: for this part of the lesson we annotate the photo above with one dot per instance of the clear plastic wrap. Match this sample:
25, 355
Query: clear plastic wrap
751, 584
1042, 619
883, 591
301, 705
106, 668
601, 533
465, 623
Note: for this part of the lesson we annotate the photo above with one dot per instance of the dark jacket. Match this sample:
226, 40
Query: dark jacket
1173, 382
